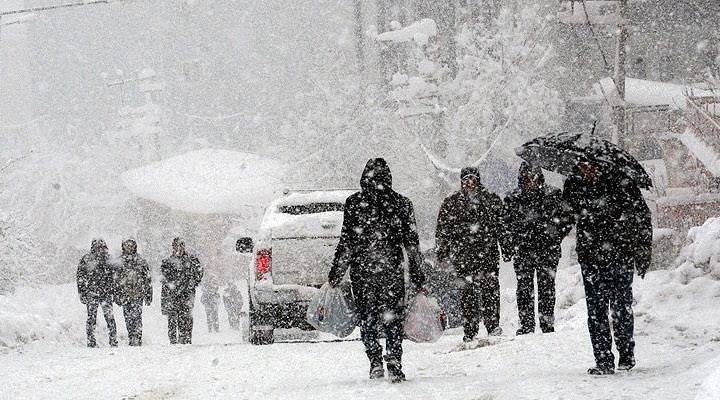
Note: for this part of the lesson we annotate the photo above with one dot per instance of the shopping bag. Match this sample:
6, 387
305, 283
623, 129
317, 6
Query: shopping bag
331, 311
424, 320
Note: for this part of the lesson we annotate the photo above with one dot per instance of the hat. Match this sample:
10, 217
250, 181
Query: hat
468, 172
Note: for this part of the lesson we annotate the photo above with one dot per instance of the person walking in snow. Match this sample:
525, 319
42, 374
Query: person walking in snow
536, 223
378, 225
181, 274
469, 232
134, 287
614, 237
96, 286
211, 298
232, 299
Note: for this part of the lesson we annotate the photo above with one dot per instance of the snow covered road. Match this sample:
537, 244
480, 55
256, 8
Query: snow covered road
677, 330
531, 367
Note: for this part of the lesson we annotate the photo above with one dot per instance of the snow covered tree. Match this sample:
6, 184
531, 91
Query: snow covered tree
499, 98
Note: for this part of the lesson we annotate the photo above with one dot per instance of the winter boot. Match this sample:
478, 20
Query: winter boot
376, 369
601, 370
394, 368
524, 331
626, 363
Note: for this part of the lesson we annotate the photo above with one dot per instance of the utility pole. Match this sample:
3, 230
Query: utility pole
619, 75
595, 13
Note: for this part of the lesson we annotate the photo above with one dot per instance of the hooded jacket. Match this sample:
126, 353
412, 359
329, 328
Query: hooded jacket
96, 275
134, 284
378, 224
469, 231
180, 277
535, 220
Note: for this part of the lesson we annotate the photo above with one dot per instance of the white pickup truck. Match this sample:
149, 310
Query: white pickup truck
293, 254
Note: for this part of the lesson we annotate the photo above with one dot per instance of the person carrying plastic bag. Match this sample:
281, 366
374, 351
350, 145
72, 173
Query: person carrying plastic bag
331, 312
423, 322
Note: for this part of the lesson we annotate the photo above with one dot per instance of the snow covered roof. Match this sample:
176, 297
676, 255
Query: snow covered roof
314, 196
650, 93
702, 151
419, 31
209, 181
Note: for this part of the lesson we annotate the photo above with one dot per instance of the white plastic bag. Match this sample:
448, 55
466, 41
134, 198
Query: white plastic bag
331, 312
423, 322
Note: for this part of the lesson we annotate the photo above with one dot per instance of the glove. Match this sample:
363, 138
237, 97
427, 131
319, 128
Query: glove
507, 258
422, 290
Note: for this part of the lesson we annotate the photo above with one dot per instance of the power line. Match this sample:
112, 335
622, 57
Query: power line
60, 6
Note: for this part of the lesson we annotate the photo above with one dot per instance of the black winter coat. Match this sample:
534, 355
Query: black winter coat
469, 232
134, 283
180, 278
378, 224
614, 225
536, 221
96, 278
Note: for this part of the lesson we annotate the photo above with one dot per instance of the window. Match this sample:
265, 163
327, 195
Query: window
311, 208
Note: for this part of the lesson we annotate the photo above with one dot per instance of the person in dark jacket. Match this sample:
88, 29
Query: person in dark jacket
134, 288
211, 298
181, 274
614, 237
232, 299
536, 223
96, 287
469, 232
378, 224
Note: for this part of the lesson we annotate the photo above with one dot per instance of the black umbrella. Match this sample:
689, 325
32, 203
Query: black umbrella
561, 152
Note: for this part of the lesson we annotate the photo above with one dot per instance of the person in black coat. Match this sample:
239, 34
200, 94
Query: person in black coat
536, 223
614, 237
232, 299
96, 287
134, 287
181, 274
378, 224
210, 298
468, 238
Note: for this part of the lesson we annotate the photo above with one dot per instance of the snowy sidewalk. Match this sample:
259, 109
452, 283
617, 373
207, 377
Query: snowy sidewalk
671, 365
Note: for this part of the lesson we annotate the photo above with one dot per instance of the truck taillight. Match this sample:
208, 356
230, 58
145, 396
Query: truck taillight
263, 264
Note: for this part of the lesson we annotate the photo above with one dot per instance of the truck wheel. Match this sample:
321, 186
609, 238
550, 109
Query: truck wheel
261, 337
259, 332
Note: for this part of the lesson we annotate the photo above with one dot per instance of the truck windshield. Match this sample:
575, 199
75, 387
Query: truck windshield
310, 208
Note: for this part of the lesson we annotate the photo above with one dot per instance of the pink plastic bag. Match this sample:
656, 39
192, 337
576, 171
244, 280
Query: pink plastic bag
423, 322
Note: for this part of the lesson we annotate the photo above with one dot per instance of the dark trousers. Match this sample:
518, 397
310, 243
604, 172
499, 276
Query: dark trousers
180, 325
609, 287
480, 297
211, 312
133, 321
376, 314
526, 269
107, 310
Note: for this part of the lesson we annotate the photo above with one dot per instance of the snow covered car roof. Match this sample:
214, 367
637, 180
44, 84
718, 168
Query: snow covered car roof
314, 196
209, 181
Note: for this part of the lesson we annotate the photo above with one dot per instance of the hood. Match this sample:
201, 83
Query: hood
129, 247
98, 246
376, 178
528, 171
